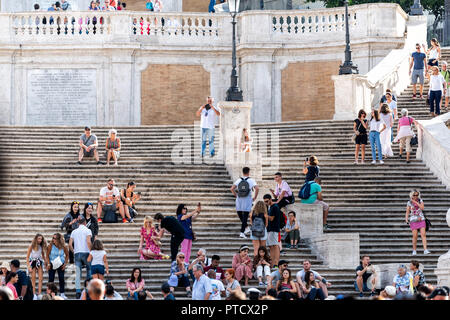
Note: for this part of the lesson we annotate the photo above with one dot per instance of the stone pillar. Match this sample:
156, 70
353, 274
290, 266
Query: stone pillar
447, 23
443, 266
234, 117
347, 99
120, 99
338, 250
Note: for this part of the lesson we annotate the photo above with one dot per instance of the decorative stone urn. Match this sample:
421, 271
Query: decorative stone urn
443, 267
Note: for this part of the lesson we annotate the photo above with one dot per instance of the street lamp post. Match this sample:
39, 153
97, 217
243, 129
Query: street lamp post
234, 93
348, 67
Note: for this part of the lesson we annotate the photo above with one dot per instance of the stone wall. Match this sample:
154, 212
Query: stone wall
308, 90
170, 94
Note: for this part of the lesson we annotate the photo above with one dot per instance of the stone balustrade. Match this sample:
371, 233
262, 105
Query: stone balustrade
308, 27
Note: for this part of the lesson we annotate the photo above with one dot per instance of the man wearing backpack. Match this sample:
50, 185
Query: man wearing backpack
242, 190
311, 193
273, 228
23, 287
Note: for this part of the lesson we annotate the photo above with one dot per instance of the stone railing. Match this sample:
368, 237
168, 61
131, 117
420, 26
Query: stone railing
355, 92
434, 146
308, 27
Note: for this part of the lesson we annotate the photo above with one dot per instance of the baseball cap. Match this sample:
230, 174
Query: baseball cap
391, 291
253, 290
281, 262
87, 128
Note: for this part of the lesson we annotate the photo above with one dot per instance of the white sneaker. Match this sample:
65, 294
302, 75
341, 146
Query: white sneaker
243, 236
247, 231
374, 162
62, 295
414, 252
381, 162
426, 252
35, 297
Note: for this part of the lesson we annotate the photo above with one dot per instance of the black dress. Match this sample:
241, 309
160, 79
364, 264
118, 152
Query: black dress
361, 138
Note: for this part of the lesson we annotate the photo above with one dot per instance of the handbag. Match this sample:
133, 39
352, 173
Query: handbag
414, 140
427, 222
354, 134
56, 263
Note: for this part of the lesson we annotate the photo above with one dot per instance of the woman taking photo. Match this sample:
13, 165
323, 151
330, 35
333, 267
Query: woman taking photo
152, 249
376, 128
186, 221
311, 168
91, 221
129, 199
112, 147
259, 212
360, 128
414, 216
36, 261
57, 258
242, 264
261, 265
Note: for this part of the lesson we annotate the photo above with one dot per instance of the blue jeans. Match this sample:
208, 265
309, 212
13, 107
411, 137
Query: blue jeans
374, 138
316, 294
80, 260
365, 287
206, 132
135, 295
435, 99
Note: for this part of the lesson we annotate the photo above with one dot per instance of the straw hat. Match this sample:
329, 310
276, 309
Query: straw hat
5, 265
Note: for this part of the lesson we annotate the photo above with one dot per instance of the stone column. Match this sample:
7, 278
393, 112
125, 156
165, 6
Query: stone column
443, 266
447, 23
234, 117
338, 250
309, 217
347, 98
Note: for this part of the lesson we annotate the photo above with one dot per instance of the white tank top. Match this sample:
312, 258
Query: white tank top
433, 54
36, 254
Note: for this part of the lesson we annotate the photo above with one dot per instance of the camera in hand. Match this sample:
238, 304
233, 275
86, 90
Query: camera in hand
207, 107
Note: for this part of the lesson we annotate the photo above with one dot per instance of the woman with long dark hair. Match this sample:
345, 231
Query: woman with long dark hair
360, 126
37, 260
129, 199
385, 137
261, 265
376, 128
91, 221
135, 284
286, 284
70, 223
311, 288
186, 221
57, 253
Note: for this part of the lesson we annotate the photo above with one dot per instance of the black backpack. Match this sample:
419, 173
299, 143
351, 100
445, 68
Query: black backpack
305, 191
243, 188
258, 227
110, 216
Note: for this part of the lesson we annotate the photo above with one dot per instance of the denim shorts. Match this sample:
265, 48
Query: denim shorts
259, 238
98, 269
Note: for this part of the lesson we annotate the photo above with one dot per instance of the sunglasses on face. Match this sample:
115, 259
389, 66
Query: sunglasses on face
76, 202
90, 204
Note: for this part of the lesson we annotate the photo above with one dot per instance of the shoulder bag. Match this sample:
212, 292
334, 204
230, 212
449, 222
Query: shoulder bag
414, 140
354, 134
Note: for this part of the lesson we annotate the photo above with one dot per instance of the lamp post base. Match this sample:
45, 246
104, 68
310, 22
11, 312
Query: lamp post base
348, 69
234, 94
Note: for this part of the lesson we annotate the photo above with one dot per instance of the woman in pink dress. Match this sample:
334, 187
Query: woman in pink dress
152, 248
416, 219
243, 265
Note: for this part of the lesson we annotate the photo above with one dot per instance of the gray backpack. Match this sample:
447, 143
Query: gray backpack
243, 188
258, 227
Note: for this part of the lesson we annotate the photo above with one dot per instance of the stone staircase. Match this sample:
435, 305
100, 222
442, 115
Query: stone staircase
40, 179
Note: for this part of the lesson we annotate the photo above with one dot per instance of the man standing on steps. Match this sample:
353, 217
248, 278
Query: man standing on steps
244, 199
80, 244
172, 225
207, 114
273, 228
88, 146
419, 60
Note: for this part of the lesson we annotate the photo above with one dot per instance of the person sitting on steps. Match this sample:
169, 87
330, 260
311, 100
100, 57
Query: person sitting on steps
112, 147
88, 146
129, 199
109, 201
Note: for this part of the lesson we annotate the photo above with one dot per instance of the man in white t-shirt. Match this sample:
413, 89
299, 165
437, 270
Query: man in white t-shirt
323, 283
218, 289
244, 202
110, 200
208, 114
80, 245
